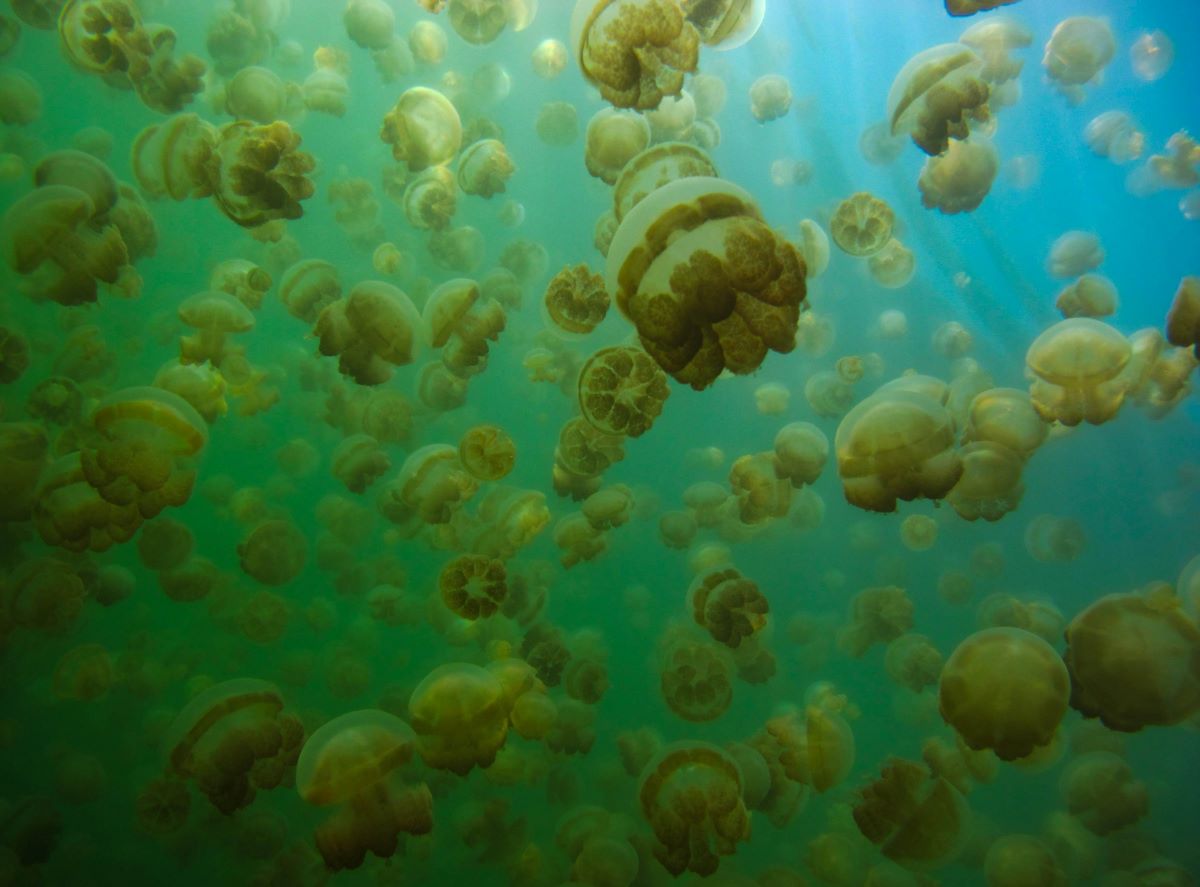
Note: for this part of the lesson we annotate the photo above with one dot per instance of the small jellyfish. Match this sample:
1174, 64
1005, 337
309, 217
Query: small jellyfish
862, 224
770, 97
1151, 56
622, 391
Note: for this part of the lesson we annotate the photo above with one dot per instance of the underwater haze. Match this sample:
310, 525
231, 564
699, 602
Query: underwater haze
599, 442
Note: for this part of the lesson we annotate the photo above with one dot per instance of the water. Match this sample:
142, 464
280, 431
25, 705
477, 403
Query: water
102, 651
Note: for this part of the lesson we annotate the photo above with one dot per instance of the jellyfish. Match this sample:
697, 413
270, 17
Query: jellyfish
1183, 318
261, 173
1101, 791
608, 507
431, 485
1004, 689
892, 266
970, 7
576, 299
484, 167
549, 58
359, 461
557, 124
622, 391
423, 129
673, 119
487, 452
84, 673
1016, 859
613, 137
472, 586
374, 328
1078, 51
691, 795
958, 180
1133, 661
274, 552
636, 52
990, 486
1115, 135
728, 605
460, 716
232, 739
937, 95
351, 762
862, 224
917, 819
655, 167
770, 97
1092, 295
696, 680
257, 94
1074, 254
308, 287
370, 23
428, 41
1076, 365
214, 316
725, 292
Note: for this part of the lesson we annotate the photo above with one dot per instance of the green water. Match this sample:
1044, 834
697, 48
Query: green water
575, 756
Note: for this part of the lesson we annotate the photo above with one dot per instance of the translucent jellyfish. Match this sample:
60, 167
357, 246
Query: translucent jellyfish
428, 42
431, 485
696, 679
214, 316
609, 507
460, 716
958, 180
622, 391
457, 249
1006, 416
714, 288
231, 739
937, 95
1151, 55
912, 661
970, 7
612, 139
14, 355
423, 129
990, 486
557, 124
484, 168
877, 616
1092, 295
673, 119
1074, 254
635, 52
893, 266
801, 450
20, 99
430, 199
877, 144
1101, 791
351, 761
549, 58
261, 173
369, 23
771, 399
770, 97
814, 247
677, 529
164, 544
257, 94
473, 587
691, 795
1133, 661
1018, 860
729, 606
358, 461
657, 166
1076, 367
896, 445
1078, 51
576, 300
917, 819
994, 38
862, 224
1183, 318
1115, 135
274, 552
326, 91
375, 328
487, 452
308, 287
1004, 689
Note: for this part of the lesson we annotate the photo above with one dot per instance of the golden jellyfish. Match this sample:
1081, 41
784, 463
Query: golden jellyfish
576, 300
674, 118
1006, 416
801, 450
878, 615
714, 288
549, 58
896, 445
430, 199
256, 94
696, 680
423, 129
1004, 689
431, 485
1115, 135
1151, 55
308, 287
917, 819
174, 158
370, 23
636, 52
274, 552
622, 391
242, 279
213, 315
728, 605
162, 806
1076, 365
937, 96
1134, 661
608, 507
759, 487
484, 167
970, 7
84, 673
14, 355
829, 395
1101, 791
20, 99
815, 745
691, 795
487, 452
814, 247
262, 175
164, 544
1183, 318
460, 715
326, 91
232, 740
351, 762
771, 399
957, 180
1049, 538
557, 124
770, 97
655, 167
726, 24
612, 139
1074, 253
473, 587
919, 532
457, 249
893, 265
994, 38
512, 519
990, 486
428, 42
1078, 51
478, 21
1092, 295
1022, 861
578, 540
862, 224
677, 529
359, 461
374, 328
